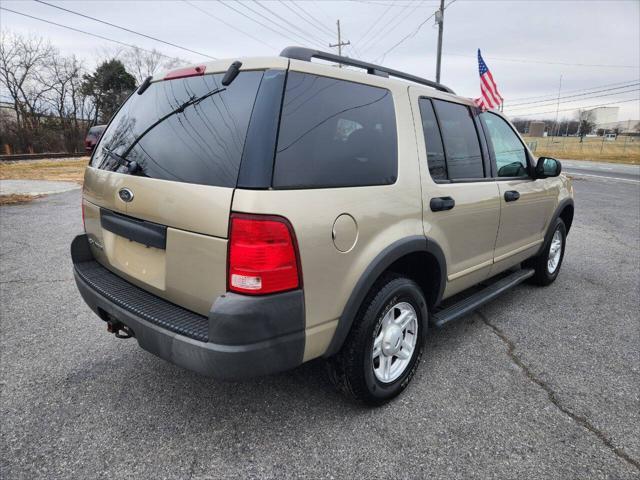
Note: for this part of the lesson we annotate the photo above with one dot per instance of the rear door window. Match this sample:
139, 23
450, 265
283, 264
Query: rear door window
188, 130
433, 141
335, 133
461, 143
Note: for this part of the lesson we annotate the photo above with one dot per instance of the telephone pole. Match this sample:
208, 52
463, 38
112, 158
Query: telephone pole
340, 43
440, 22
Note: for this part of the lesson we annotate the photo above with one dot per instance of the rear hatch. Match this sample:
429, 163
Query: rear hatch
158, 191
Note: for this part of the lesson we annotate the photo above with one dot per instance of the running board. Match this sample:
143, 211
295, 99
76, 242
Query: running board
469, 304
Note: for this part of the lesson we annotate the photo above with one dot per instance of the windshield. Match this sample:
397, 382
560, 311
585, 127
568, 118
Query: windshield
199, 143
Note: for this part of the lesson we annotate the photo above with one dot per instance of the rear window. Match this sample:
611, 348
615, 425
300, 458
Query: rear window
335, 133
181, 130
461, 143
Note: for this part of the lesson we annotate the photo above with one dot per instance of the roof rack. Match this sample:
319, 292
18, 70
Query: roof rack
306, 54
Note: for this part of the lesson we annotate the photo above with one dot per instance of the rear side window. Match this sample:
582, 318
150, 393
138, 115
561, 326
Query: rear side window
188, 130
433, 141
461, 144
335, 133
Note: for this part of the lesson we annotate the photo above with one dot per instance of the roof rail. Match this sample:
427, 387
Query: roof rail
306, 54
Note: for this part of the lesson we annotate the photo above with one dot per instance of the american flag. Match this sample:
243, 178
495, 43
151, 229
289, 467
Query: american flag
490, 98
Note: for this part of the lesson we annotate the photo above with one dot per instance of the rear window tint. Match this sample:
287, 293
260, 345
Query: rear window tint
335, 133
199, 143
433, 141
462, 147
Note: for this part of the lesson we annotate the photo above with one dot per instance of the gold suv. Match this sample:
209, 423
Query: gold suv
245, 217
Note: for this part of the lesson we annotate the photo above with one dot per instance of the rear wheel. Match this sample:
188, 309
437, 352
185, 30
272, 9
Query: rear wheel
383, 349
547, 264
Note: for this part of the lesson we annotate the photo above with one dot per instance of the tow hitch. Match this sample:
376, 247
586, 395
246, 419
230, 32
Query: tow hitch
119, 329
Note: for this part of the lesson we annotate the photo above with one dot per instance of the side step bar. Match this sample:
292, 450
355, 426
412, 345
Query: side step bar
469, 304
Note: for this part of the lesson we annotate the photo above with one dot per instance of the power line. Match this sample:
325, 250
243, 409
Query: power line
314, 23
230, 25
572, 109
84, 32
387, 29
520, 60
574, 90
587, 94
307, 36
415, 31
384, 4
125, 29
373, 25
239, 12
580, 99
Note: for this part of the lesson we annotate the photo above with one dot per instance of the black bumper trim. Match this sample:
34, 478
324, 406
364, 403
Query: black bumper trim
142, 303
262, 340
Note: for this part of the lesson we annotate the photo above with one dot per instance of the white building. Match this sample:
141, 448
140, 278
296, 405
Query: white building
603, 115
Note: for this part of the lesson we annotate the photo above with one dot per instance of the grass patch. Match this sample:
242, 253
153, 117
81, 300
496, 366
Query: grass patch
14, 199
68, 170
621, 150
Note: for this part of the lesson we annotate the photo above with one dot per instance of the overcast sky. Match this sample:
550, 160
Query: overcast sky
526, 44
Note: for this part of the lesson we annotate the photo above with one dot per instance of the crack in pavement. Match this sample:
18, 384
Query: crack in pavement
580, 420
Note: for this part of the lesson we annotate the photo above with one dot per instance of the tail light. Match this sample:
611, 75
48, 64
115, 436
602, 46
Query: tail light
263, 255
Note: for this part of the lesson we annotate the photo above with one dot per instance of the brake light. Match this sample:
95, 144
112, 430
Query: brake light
263, 255
185, 72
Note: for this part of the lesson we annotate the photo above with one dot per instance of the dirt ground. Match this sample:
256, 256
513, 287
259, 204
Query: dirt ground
68, 170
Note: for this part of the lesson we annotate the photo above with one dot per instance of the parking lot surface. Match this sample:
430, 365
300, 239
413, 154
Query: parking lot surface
541, 383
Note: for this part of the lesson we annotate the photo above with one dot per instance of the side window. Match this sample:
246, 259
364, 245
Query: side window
433, 141
335, 133
511, 156
461, 144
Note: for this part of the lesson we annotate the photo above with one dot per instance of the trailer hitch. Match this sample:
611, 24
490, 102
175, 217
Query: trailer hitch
119, 329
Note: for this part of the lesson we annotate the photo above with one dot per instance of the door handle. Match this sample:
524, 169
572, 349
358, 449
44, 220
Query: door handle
439, 204
511, 196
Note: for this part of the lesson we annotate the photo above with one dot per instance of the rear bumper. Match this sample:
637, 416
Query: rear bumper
242, 336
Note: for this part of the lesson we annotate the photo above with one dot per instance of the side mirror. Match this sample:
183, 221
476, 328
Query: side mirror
548, 167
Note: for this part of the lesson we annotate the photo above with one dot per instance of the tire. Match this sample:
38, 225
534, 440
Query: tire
354, 370
544, 273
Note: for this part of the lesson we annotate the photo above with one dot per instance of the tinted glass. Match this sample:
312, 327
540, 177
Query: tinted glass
511, 157
433, 141
335, 133
180, 130
464, 159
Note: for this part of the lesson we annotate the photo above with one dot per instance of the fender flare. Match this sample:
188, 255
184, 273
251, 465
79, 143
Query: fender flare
559, 209
380, 263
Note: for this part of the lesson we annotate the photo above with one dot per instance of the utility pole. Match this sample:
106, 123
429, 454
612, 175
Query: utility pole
556, 126
440, 22
340, 43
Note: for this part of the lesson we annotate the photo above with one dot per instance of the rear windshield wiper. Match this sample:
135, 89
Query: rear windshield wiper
131, 165
192, 101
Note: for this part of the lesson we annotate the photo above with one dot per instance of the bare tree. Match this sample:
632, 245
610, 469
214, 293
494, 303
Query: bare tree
22, 61
63, 81
142, 63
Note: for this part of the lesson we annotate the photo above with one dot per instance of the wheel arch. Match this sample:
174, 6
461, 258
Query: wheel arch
416, 257
564, 210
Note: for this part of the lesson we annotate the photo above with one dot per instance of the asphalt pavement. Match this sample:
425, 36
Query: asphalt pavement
602, 170
540, 383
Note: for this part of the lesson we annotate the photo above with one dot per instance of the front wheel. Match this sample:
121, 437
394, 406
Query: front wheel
547, 263
383, 349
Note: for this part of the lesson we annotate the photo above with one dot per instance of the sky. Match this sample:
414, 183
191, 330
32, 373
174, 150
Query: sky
528, 45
